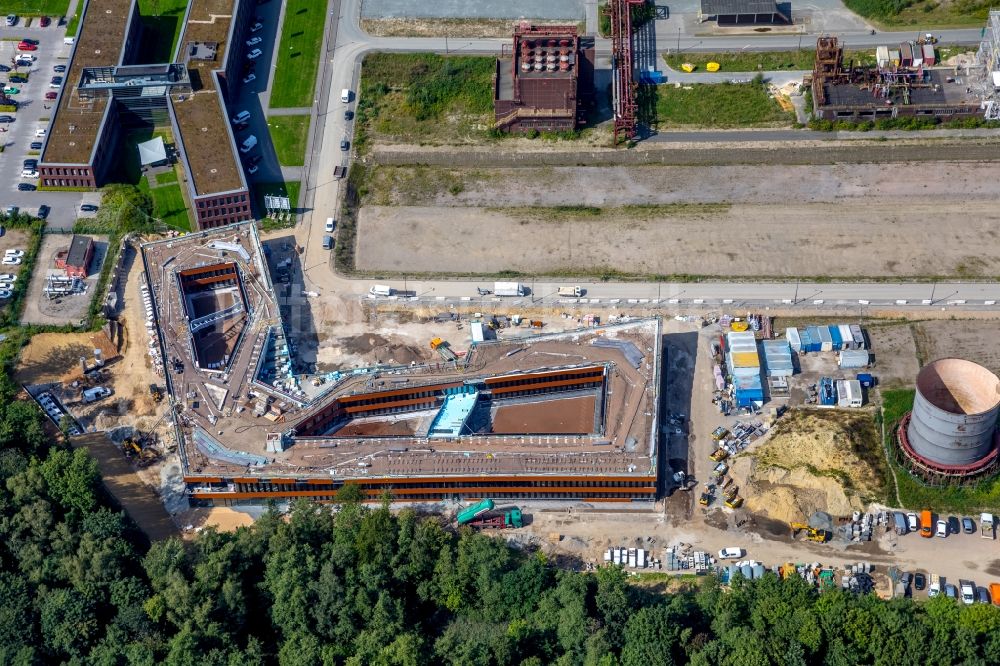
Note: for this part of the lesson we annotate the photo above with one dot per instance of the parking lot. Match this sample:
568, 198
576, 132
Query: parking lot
33, 113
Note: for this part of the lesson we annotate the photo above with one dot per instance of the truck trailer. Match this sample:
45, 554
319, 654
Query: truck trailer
503, 520
570, 291
470, 513
508, 289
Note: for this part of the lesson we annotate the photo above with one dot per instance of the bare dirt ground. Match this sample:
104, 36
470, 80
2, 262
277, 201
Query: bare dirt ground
428, 27
138, 499
39, 309
54, 357
972, 340
782, 239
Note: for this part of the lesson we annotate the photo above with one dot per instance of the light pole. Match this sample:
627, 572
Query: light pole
678, 39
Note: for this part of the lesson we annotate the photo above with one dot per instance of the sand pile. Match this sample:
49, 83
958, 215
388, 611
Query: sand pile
814, 461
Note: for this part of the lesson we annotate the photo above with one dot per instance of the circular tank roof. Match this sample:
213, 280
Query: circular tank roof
958, 386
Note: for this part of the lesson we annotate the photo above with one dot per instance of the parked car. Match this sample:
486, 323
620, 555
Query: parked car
11, 261
7, 285
51, 95
348, 115
11, 19
919, 581
942, 529
913, 522
253, 169
88, 208
33, 42
43, 212
25, 187
14, 253
59, 69
10, 90
26, 46
6, 293
6, 119
249, 77
4, 68
982, 595
8, 277
968, 526
45, 22
56, 82
953, 525
17, 78
254, 41
951, 591
906, 578
328, 225
36, 145
345, 144
256, 26
731, 553
29, 173
256, 53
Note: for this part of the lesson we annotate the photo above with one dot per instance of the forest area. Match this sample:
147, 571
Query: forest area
79, 584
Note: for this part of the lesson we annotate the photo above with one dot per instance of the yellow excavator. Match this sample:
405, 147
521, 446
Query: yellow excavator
812, 534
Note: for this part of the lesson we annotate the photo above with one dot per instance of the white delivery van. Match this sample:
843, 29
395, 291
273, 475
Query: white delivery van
241, 117
345, 95
248, 144
69, 41
380, 290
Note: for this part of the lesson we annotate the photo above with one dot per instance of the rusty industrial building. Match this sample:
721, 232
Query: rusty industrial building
570, 415
546, 80
904, 82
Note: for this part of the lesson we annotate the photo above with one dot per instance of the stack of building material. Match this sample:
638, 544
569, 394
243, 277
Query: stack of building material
778, 358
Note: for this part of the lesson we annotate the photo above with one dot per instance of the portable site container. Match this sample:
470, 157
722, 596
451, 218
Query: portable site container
859, 336
805, 337
815, 342
825, 338
900, 520
918, 56
929, 57
746, 359
847, 337
853, 358
749, 390
894, 57
838, 342
794, 341
882, 56
778, 358
905, 55
849, 393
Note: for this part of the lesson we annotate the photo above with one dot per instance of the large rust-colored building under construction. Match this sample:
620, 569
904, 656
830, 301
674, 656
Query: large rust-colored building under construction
547, 80
569, 415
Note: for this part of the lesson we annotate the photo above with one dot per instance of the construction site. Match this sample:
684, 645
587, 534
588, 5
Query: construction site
555, 415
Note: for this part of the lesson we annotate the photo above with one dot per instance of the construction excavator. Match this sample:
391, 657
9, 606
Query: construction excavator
812, 534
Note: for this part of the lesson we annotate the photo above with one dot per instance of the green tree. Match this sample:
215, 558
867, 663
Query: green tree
125, 209
72, 480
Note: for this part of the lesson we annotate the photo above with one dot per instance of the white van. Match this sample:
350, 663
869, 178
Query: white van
328, 227
345, 95
40, 133
380, 290
69, 41
248, 144
241, 117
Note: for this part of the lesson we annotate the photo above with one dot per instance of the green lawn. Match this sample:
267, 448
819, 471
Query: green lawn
168, 203
716, 105
73, 24
52, 8
424, 97
298, 53
741, 61
161, 23
984, 496
922, 15
289, 133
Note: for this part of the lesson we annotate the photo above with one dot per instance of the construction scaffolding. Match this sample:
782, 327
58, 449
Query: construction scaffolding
623, 86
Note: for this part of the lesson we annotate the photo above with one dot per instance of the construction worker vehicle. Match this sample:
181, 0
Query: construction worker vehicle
720, 433
811, 533
734, 503
442, 348
719, 455
479, 516
731, 493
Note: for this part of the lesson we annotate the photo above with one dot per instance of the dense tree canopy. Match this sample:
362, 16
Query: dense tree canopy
362, 585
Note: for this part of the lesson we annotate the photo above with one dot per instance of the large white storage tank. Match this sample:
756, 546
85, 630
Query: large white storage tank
954, 412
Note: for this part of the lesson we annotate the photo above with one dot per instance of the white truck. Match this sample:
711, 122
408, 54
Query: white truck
380, 290
508, 289
94, 394
986, 525
967, 591
935, 588
570, 291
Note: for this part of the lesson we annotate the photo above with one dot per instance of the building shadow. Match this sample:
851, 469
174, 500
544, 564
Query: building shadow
679, 353
646, 67
284, 262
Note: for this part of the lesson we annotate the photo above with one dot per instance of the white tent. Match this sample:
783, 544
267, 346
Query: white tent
152, 152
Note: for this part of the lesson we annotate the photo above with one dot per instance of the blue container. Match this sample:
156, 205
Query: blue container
815, 341
805, 340
867, 381
838, 342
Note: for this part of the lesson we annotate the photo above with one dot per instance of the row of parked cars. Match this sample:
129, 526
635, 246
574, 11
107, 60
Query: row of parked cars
7, 281
929, 526
54, 411
14, 19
